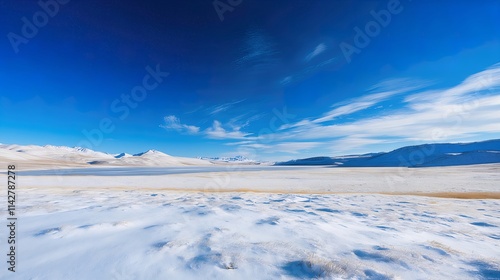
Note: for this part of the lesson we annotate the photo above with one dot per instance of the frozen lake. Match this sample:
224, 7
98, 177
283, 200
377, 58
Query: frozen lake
144, 171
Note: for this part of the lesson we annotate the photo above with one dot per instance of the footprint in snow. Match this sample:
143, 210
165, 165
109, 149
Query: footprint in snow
357, 214
160, 245
270, 221
328, 210
482, 224
230, 207
48, 231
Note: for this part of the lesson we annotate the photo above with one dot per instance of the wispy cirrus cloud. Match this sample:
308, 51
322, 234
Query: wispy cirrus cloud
258, 50
244, 120
223, 107
382, 92
305, 71
419, 112
317, 51
378, 93
464, 111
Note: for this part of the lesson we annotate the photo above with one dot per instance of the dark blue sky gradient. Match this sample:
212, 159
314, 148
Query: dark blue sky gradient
64, 80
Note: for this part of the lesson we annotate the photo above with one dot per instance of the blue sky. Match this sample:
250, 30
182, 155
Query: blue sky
273, 80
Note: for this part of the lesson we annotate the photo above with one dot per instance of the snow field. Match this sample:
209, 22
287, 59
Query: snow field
134, 234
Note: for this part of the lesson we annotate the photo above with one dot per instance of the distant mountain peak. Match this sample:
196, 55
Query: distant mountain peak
150, 152
122, 155
83, 150
64, 148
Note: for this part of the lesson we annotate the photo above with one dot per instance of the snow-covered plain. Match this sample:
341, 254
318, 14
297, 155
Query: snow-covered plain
271, 223
134, 234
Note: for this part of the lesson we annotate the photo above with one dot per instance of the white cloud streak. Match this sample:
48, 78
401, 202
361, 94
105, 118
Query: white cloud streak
223, 107
173, 123
258, 49
466, 111
306, 71
218, 132
317, 51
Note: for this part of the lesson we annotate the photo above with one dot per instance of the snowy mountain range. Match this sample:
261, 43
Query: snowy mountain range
61, 156
446, 154
426, 155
